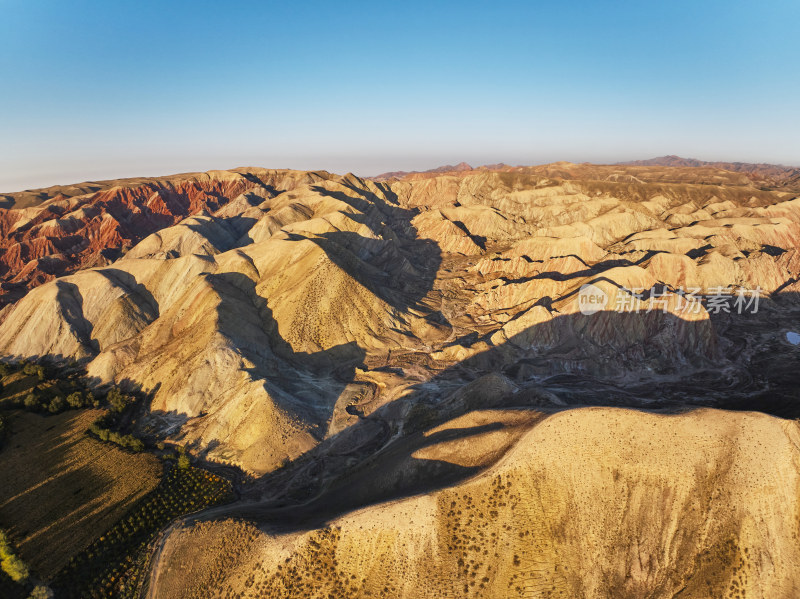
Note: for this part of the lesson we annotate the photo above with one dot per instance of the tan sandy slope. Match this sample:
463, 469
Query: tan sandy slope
594, 502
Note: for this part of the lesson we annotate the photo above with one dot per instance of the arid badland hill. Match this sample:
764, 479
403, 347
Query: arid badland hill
403, 370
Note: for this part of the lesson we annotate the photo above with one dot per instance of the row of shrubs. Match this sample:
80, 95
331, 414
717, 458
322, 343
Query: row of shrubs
29, 368
36, 402
53, 401
114, 564
127, 441
103, 427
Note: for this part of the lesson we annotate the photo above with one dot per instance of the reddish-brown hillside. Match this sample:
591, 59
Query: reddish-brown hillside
51, 232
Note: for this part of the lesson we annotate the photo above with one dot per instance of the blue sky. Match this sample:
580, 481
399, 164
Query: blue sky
92, 90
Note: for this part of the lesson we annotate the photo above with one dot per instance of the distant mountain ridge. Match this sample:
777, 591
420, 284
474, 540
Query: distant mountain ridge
461, 167
769, 175
777, 172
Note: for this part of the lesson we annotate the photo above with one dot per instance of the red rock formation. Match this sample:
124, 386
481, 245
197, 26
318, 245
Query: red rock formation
68, 231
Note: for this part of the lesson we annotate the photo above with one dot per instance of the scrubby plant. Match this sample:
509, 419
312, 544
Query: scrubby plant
114, 565
118, 400
31, 401
76, 400
12, 565
40, 592
32, 369
57, 404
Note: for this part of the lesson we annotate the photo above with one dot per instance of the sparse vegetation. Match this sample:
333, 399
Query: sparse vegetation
51, 471
84, 561
113, 565
103, 427
37, 388
183, 462
49, 390
40, 592
10, 562
421, 416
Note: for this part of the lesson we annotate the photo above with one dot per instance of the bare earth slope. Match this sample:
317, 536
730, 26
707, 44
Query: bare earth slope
308, 329
589, 503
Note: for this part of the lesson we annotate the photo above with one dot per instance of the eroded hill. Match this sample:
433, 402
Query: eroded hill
313, 329
593, 502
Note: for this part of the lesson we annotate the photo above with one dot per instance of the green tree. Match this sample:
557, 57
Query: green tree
31, 401
40, 592
10, 563
117, 400
57, 404
75, 400
15, 568
132, 443
183, 462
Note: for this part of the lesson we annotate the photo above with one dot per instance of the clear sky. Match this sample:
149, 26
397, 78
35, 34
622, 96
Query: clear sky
92, 90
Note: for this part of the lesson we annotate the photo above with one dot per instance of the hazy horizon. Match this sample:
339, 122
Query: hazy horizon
104, 91
309, 165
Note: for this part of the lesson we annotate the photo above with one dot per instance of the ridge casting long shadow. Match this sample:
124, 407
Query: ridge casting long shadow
128, 283
322, 484
70, 300
389, 281
245, 316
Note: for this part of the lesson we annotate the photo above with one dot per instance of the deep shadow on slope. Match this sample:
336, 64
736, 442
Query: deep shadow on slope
70, 300
406, 265
751, 367
316, 380
396, 266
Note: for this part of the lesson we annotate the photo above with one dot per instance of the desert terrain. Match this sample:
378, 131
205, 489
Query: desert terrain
401, 377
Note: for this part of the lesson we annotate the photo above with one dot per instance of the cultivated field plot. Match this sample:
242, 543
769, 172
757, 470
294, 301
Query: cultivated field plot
60, 489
